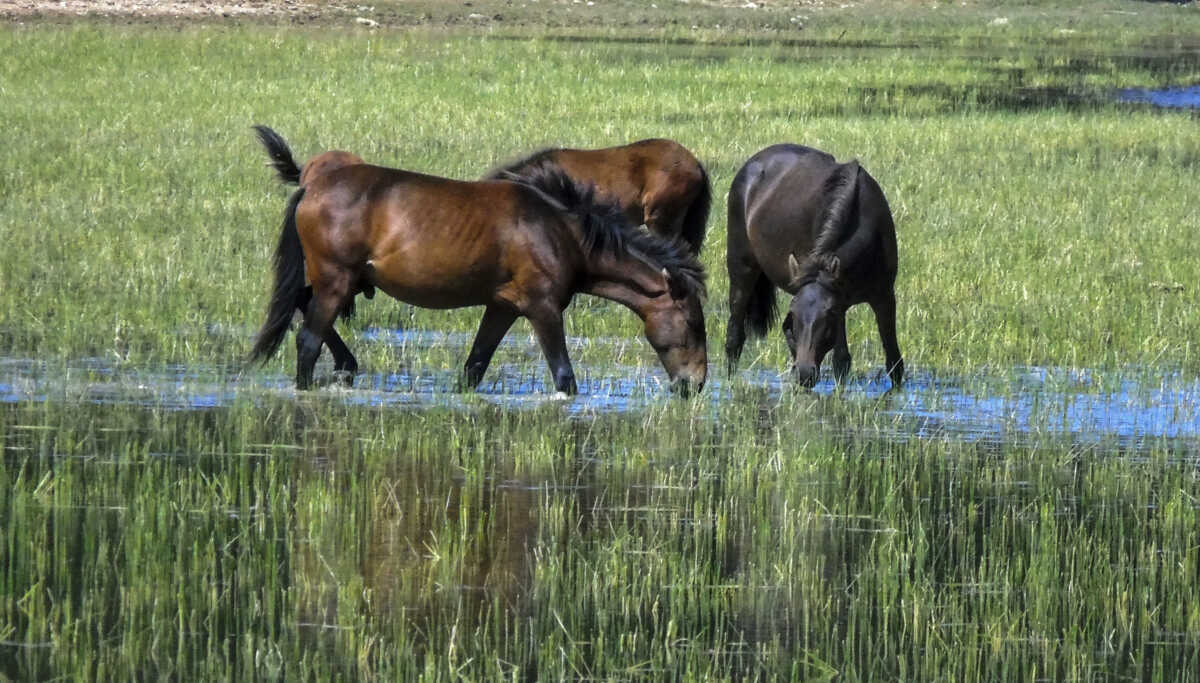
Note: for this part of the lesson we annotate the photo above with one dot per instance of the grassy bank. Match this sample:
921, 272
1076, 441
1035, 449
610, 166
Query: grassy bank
1039, 222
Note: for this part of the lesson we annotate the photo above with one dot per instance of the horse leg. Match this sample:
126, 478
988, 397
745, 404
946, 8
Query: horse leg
308, 349
548, 325
735, 331
327, 301
885, 319
344, 362
744, 285
492, 328
751, 299
841, 352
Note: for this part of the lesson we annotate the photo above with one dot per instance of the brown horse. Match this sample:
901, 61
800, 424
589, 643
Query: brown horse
519, 249
655, 182
823, 232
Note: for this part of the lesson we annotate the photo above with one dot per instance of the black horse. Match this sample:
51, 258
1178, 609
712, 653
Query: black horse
823, 232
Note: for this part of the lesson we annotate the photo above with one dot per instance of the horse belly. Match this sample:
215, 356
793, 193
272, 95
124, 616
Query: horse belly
431, 283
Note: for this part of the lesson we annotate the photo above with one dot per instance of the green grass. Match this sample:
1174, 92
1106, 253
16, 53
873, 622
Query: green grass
139, 215
762, 536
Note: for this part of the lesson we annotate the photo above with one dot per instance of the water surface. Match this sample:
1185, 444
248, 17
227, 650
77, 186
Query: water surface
1181, 97
1017, 405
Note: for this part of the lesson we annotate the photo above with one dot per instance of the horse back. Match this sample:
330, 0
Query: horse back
787, 193
638, 173
327, 161
384, 207
781, 192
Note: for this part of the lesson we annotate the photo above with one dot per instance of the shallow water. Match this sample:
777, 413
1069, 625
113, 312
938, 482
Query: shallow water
1011, 406
1184, 97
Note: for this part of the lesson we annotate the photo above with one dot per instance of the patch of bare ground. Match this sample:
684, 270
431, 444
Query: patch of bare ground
155, 8
480, 9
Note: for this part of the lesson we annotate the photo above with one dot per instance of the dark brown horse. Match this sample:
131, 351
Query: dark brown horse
823, 232
655, 182
519, 249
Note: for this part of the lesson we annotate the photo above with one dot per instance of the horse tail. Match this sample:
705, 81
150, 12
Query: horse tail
842, 200
762, 308
695, 221
281, 155
289, 290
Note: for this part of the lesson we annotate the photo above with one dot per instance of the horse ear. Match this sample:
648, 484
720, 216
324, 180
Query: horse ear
674, 286
793, 267
789, 334
833, 266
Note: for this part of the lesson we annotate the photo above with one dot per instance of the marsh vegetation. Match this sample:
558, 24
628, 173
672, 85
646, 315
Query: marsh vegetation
1025, 508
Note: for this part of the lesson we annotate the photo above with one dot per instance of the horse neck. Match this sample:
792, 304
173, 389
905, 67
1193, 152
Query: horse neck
860, 259
627, 280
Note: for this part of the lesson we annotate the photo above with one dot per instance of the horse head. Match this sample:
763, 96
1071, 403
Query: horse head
675, 329
815, 316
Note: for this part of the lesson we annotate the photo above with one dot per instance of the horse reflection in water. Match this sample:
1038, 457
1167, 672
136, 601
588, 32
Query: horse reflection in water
427, 547
823, 232
517, 248
411, 545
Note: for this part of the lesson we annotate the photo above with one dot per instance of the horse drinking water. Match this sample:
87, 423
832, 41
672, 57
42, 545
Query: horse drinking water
823, 232
516, 248
655, 182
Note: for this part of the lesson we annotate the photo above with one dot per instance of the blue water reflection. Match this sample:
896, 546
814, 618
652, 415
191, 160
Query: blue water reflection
1013, 405
1185, 97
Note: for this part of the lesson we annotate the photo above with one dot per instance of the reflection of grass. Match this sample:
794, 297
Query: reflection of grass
772, 538
793, 537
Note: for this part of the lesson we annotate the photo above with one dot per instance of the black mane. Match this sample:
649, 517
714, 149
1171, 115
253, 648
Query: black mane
841, 188
605, 228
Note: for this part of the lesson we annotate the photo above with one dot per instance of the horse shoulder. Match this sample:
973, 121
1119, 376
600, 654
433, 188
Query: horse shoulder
537, 258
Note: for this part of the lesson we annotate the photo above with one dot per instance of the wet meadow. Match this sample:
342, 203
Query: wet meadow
1026, 507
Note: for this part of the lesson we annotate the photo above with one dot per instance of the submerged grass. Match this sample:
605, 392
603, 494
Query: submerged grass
793, 536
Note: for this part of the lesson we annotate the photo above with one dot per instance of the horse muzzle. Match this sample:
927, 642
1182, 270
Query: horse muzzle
685, 388
806, 375
687, 383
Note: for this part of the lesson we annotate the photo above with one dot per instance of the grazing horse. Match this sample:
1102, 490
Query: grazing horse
519, 249
823, 232
655, 182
